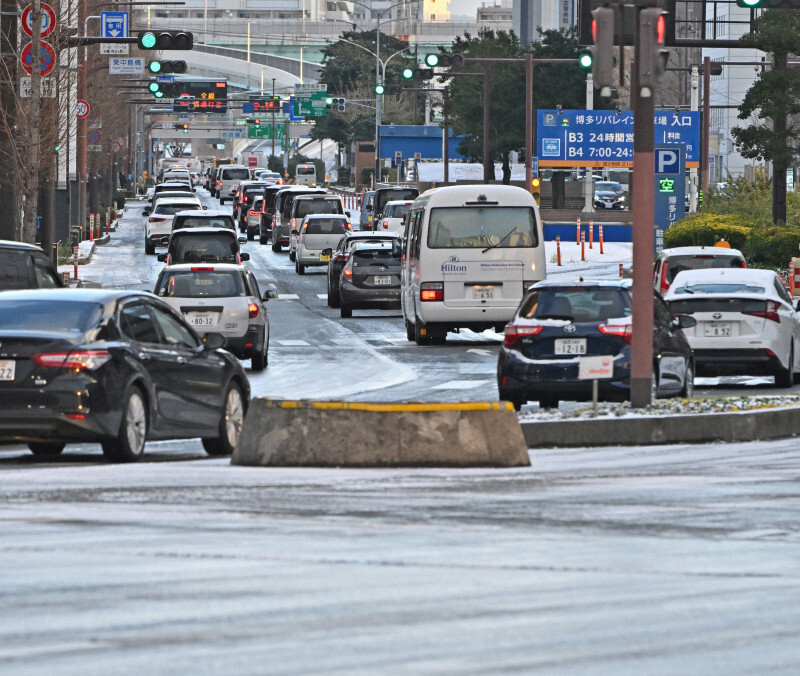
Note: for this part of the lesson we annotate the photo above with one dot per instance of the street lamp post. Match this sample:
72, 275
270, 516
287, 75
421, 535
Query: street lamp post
378, 15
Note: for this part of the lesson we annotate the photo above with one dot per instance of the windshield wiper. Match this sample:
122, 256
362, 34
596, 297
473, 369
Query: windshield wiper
508, 234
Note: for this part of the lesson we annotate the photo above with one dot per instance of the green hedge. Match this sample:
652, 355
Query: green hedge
706, 229
772, 246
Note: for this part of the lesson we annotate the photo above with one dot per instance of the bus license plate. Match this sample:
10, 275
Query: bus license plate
484, 293
7, 369
383, 280
570, 345
202, 318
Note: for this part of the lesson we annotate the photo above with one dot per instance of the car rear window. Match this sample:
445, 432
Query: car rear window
722, 289
202, 283
577, 304
48, 315
397, 210
676, 264
235, 174
306, 207
741, 305
326, 226
305, 170
172, 209
479, 227
204, 248
200, 222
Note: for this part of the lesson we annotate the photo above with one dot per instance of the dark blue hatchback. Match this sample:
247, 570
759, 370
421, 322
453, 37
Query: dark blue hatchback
559, 323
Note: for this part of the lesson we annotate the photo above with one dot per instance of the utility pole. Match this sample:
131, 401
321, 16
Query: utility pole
8, 183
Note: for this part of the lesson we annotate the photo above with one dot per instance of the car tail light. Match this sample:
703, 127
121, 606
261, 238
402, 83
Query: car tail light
252, 308
770, 312
385, 224
431, 291
202, 269
156, 219
512, 333
255, 213
347, 271
664, 282
79, 359
624, 331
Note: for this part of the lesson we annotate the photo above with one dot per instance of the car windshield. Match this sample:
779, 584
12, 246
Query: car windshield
202, 283
325, 226
607, 186
200, 222
720, 288
577, 304
676, 264
479, 227
48, 315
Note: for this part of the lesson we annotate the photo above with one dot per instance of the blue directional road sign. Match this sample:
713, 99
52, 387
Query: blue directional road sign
114, 24
670, 189
604, 138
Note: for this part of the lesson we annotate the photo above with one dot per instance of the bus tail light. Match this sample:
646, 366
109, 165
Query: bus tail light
431, 291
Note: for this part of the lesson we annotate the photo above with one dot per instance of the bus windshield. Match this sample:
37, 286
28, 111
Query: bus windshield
481, 227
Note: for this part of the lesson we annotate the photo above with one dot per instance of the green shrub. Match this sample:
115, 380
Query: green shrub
706, 229
772, 246
119, 197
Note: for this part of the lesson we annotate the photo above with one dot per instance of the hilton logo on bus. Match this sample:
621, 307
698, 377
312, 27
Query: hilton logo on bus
450, 266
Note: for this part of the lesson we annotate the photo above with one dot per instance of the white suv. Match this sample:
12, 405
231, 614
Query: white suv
221, 298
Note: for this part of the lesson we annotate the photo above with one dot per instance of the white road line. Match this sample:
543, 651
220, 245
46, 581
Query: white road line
288, 296
292, 343
460, 384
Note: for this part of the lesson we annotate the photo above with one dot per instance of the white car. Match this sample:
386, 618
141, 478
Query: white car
672, 261
393, 214
747, 323
221, 298
317, 233
159, 220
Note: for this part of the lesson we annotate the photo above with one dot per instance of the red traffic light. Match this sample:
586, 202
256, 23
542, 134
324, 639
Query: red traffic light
661, 30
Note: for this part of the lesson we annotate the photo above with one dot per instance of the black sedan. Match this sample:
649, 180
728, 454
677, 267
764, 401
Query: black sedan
339, 255
559, 324
371, 277
116, 367
609, 195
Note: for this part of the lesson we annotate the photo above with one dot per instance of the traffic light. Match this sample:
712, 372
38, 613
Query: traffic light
166, 67
379, 89
603, 50
254, 121
652, 55
185, 128
163, 40
444, 60
536, 189
418, 73
408, 73
338, 102
57, 149
769, 4
585, 60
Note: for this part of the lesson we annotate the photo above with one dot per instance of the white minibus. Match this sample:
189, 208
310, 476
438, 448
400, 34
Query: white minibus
305, 174
469, 254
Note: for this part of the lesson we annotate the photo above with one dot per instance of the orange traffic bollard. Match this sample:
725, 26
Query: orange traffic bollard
601, 238
558, 251
583, 246
578, 233
591, 234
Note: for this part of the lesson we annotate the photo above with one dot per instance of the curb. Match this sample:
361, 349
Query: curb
731, 427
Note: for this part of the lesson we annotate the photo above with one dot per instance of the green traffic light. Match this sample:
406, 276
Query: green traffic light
408, 73
57, 148
154, 66
585, 60
329, 101
154, 87
751, 3
148, 40
432, 60
159, 94
379, 89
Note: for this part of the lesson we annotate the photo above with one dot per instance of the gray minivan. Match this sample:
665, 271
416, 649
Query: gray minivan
281, 227
304, 205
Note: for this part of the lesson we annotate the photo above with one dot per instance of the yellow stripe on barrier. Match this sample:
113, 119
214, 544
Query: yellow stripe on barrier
405, 408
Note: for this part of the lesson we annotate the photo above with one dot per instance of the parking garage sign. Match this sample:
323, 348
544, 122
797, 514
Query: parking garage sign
669, 190
604, 138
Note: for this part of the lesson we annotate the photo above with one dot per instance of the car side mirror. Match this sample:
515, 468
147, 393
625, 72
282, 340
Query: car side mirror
243, 239
369, 207
162, 258
205, 208
213, 341
684, 322
244, 257
145, 212
270, 294
295, 232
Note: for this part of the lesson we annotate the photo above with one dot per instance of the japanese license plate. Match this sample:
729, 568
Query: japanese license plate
483, 293
717, 329
202, 318
324, 257
7, 368
570, 345
383, 280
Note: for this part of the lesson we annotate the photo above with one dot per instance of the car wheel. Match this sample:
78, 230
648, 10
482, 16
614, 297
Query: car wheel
301, 269
517, 400
276, 247
230, 423
688, 382
784, 377
346, 311
409, 331
548, 402
258, 362
149, 249
46, 447
292, 256
419, 337
262, 239
129, 445
250, 235
334, 299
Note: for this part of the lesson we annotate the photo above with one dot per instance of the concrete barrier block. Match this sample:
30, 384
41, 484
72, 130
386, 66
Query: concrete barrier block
282, 433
